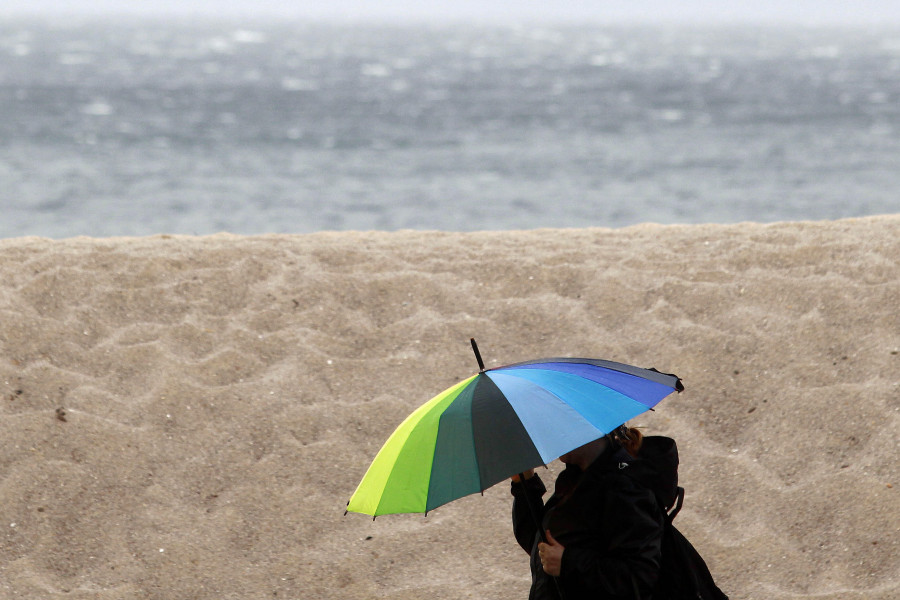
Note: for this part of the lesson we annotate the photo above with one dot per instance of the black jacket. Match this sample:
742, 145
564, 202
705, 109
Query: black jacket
610, 526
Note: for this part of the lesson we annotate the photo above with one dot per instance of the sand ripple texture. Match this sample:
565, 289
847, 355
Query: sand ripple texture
186, 417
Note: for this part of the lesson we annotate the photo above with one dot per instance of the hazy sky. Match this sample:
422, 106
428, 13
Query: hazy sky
802, 11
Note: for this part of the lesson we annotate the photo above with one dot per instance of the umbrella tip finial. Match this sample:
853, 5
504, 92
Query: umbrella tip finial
477, 355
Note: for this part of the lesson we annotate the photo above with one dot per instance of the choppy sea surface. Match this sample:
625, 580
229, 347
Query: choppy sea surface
143, 127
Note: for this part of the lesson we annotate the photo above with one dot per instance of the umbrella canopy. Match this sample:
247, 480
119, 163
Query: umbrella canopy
501, 422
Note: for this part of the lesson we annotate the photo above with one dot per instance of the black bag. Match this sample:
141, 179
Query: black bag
683, 572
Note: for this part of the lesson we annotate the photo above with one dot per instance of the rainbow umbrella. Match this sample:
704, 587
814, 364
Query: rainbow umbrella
501, 422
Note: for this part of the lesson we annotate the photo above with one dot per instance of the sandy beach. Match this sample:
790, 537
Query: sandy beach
186, 417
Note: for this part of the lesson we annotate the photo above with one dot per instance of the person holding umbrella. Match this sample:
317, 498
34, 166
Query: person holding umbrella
601, 532
604, 530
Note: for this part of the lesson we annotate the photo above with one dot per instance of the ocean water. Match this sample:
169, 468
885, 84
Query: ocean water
136, 128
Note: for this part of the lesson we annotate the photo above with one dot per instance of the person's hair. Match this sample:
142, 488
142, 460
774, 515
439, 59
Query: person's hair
629, 438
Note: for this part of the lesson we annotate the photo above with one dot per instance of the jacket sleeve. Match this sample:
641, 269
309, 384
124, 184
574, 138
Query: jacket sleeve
525, 519
629, 564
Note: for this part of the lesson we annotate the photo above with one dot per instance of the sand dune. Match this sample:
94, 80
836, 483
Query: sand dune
186, 417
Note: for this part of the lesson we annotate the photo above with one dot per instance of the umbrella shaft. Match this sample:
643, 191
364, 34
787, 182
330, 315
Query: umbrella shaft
534, 515
477, 355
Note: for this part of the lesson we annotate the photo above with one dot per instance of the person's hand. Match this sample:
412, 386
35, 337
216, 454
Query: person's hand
528, 475
551, 553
